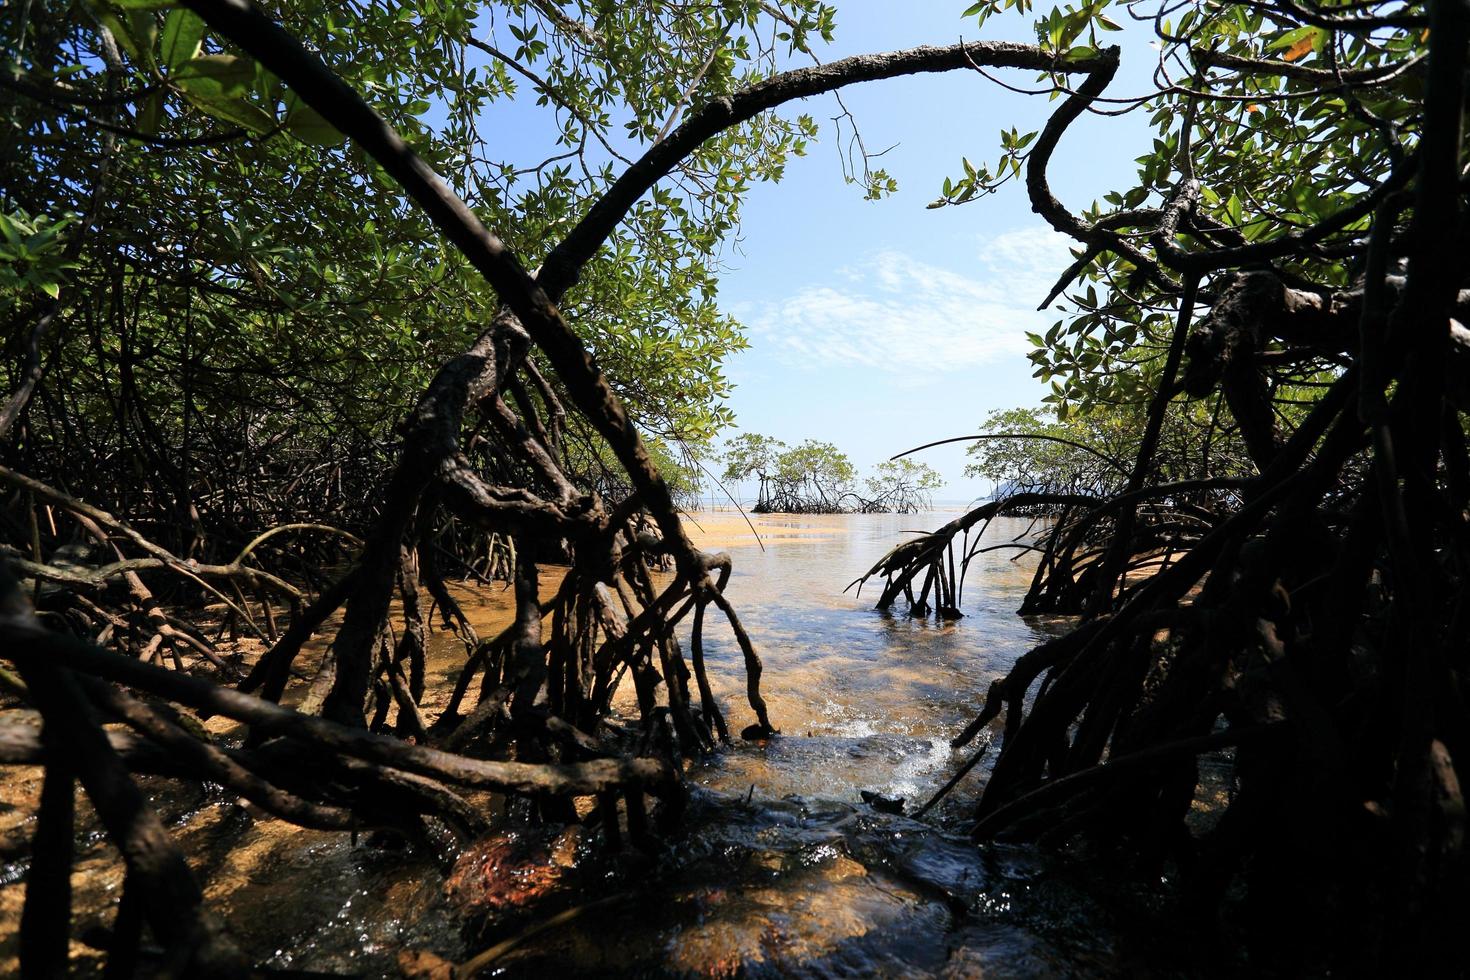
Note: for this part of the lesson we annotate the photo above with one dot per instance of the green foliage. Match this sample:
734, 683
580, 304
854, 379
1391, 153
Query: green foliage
32, 254
818, 468
1032, 449
1275, 146
816, 476
811, 476
900, 472
257, 276
751, 454
591, 464
901, 486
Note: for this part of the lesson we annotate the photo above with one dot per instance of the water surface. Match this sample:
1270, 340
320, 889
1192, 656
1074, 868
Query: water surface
782, 870
866, 699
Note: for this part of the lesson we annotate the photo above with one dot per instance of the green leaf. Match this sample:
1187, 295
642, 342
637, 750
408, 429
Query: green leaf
237, 111
143, 4
215, 77
143, 26
1072, 26
1290, 38
183, 33
117, 29
1234, 210
151, 115
307, 125
267, 87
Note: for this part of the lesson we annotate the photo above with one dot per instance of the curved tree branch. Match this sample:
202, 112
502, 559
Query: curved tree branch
563, 264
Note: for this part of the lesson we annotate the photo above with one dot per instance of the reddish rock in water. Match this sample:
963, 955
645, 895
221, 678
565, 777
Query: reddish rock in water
509, 872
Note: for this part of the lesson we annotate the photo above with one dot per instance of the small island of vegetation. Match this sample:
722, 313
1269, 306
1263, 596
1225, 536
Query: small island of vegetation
817, 478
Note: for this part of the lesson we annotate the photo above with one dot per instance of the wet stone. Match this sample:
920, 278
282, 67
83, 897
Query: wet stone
510, 873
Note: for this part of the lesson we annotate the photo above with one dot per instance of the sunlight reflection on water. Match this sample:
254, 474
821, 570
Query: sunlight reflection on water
865, 699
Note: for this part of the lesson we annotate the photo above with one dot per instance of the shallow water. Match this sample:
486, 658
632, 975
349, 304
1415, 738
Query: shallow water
779, 868
782, 870
865, 699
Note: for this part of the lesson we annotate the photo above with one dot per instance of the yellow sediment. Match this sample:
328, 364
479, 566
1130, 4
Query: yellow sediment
720, 529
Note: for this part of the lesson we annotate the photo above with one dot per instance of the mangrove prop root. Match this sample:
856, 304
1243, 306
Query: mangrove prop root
1275, 622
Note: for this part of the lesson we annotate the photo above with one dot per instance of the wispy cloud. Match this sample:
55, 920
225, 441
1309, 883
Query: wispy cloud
894, 312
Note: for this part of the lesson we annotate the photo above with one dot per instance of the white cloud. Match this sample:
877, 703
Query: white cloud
1033, 257
896, 313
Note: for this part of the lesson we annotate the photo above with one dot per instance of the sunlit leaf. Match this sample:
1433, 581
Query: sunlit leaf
307, 125
183, 32
237, 111
214, 77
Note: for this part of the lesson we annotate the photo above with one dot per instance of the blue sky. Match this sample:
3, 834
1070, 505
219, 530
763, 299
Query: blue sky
879, 326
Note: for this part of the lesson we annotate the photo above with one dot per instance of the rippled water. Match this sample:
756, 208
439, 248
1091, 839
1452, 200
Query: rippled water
779, 869
782, 870
865, 699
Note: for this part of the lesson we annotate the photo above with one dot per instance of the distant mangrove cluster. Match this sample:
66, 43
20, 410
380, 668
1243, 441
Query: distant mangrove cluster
816, 477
